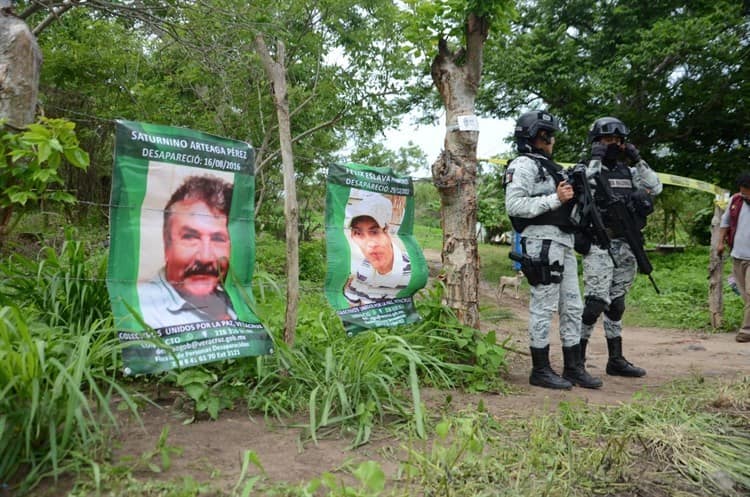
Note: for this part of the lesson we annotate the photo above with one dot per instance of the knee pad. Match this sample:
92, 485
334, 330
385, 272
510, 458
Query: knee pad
616, 309
591, 309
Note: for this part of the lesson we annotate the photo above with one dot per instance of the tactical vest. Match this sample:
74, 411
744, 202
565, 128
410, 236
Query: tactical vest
620, 181
559, 217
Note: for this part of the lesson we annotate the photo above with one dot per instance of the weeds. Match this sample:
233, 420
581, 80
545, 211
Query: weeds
58, 355
56, 397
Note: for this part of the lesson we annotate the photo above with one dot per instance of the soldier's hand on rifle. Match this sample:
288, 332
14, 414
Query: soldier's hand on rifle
631, 152
598, 150
564, 191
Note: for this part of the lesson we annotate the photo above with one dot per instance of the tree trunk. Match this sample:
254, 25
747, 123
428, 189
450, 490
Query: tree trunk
276, 72
456, 76
20, 63
715, 274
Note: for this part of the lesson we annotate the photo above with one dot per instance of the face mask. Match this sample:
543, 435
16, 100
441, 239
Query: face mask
612, 155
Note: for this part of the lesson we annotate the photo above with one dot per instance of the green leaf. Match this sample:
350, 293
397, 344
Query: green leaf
22, 197
43, 151
371, 475
195, 390
77, 157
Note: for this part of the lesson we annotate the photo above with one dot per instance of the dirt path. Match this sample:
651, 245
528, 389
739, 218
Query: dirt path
212, 451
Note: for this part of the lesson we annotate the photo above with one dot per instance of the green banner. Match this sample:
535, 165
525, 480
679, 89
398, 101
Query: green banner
182, 248
375, 264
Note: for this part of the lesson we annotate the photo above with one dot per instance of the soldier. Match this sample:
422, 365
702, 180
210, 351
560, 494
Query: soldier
538, 202
606, 278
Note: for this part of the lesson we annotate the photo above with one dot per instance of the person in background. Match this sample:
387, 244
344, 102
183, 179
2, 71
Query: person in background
538, 202
734, 230
607, 279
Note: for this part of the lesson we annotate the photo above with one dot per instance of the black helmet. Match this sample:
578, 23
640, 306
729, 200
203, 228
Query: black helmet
529, 124
607, 126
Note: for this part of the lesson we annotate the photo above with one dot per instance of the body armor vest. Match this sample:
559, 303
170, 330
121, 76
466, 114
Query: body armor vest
620, 181
558, 217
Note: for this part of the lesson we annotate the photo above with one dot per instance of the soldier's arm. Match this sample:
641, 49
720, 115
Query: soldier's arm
646, 178
519, 198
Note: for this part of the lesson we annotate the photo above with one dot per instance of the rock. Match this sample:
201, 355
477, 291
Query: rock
20, 65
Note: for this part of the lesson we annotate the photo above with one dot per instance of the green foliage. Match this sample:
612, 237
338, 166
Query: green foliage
271, 258
700, 226
369, 474
201, 386
30, 162
426, 204
312, 260
692, 438
683, 303
481, 356
406, 160
62, 288
433, 19
670, 71
352, 384
57, 395
58, 349
491, 201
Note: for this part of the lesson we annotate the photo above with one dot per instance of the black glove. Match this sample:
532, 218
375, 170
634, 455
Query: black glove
641, 203
631, 152
598, 150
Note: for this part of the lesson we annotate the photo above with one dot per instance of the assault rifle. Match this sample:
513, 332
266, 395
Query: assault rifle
586, 210
624, 216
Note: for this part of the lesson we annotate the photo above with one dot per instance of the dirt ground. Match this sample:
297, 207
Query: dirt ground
212, 450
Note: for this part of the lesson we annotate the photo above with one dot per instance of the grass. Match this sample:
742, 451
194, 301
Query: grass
59, 355
59, 359
689, 439
682, 278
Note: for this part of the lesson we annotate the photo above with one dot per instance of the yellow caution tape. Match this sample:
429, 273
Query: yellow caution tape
721, 195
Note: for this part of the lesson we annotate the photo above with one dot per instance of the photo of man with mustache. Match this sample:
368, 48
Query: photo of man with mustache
188, 288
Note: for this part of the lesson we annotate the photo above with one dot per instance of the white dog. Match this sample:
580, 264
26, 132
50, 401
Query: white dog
511, 282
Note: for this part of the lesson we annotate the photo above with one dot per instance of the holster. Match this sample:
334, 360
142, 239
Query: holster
538, 270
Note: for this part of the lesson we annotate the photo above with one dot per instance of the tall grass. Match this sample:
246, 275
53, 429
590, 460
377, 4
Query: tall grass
682, 278
58, 360
353, 383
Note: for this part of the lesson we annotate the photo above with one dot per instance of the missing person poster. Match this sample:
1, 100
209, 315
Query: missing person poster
182, 248
375, 264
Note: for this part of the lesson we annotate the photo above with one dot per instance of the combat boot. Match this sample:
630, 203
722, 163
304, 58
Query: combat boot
584, 344
575, 371
617, 365
542, 374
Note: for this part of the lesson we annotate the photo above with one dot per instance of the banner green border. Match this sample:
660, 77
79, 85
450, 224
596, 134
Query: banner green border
137, 145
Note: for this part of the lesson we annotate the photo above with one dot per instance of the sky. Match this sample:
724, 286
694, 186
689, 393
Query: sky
492, 136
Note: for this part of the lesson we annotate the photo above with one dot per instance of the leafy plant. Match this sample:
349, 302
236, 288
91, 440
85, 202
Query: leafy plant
64, 287
30, 161
202, 387
56, 395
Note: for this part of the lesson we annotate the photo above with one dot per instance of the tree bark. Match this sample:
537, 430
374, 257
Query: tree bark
276, 72
715, 274
20, 64
456, 75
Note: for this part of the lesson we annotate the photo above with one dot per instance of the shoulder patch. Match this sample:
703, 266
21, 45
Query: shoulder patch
508, 176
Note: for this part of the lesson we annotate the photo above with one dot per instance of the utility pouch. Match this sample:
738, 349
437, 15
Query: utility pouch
538, 270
